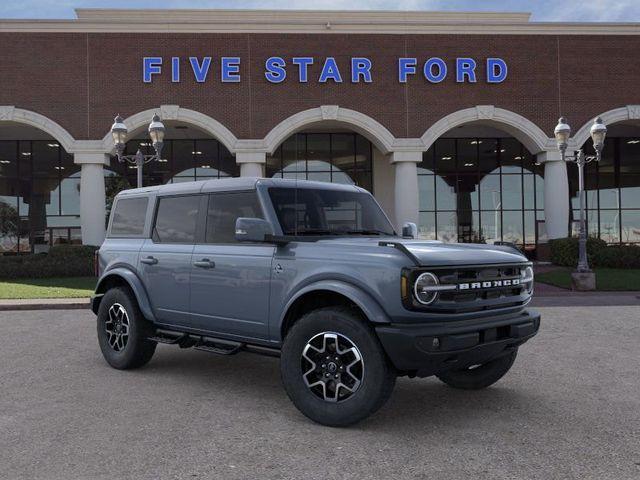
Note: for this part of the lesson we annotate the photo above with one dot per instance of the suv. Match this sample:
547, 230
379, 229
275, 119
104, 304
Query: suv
313, 273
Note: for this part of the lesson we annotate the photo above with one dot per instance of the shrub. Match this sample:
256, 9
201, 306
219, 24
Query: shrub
618, 256
564, 251
61, 261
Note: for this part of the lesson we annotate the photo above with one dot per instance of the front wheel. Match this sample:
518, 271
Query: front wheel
334, 368
481, 376
123, 331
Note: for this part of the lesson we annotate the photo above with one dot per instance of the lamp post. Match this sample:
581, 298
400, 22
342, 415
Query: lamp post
562, 133
119, 133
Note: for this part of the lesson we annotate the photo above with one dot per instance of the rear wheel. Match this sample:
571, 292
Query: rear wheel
477, 377
334, 368
123, 331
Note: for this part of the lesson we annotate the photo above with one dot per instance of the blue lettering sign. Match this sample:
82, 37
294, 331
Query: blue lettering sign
200, 71
175, 69
428, 70
330, 71
360, 67
230, 70
275, 69
465, 67
303, 66
496, 70
151, 66
406, 66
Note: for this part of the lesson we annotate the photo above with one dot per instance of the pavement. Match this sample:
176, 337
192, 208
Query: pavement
569, 408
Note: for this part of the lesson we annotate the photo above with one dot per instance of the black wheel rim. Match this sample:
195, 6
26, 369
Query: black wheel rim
117, 327
332, 366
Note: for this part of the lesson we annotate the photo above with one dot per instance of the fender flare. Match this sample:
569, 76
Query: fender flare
134, 283
369, 306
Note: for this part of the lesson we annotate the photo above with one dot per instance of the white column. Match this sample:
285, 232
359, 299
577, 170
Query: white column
251, 163
556, 194
406, 187
92, 196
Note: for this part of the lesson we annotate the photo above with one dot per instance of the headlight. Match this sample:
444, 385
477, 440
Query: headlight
426, 288
526, 279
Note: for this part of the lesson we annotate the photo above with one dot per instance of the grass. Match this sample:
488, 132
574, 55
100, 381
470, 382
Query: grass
607, 279
71, 287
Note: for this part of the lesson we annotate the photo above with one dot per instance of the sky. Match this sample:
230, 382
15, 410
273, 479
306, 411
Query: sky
542, 10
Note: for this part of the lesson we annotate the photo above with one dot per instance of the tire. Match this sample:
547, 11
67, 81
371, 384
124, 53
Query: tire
363, 385
125, 347
481, 376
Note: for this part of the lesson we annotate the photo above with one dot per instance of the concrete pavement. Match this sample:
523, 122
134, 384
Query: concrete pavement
570, 408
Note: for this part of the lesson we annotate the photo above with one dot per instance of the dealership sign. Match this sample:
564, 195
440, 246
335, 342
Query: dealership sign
310, 69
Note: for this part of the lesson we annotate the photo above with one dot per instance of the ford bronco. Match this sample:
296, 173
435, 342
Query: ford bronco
313, 273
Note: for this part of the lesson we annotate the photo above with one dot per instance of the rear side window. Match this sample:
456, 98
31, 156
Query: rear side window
176, 219
224, 209
128, 216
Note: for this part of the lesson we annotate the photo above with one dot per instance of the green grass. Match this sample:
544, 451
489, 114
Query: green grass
71, 287
607, 279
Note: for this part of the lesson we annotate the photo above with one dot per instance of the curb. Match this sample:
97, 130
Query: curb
45, 304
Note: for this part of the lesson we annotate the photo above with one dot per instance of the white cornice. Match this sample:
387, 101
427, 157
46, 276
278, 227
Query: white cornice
303, 21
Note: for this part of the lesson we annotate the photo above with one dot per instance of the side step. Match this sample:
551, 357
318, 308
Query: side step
219, 346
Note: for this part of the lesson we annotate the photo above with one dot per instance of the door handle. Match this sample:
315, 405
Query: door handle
204, 263
149, 260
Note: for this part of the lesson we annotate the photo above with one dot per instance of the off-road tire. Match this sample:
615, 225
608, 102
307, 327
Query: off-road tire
378, 375
137, 350
481, 376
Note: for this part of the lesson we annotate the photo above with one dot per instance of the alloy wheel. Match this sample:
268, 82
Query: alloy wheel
117, 327
332, 366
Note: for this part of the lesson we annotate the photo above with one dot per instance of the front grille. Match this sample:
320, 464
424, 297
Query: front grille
484, 288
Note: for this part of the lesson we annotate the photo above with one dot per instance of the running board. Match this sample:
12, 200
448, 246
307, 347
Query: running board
219, 346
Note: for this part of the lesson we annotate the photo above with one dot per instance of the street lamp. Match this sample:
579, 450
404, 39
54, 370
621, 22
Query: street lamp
119, 133
562, 133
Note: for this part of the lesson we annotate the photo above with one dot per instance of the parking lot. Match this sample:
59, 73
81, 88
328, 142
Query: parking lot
570, 408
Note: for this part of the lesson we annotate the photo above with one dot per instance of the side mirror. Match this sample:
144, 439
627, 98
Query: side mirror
410, 230
252, 229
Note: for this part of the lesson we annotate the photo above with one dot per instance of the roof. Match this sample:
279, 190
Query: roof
230, 184
310, 21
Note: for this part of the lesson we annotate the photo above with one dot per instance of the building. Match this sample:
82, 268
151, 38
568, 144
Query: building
447, 118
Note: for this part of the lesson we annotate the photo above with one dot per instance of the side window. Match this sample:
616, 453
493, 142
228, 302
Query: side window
128, 216
176, 219
224, 209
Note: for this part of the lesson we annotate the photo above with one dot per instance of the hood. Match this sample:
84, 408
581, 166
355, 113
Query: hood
435, 253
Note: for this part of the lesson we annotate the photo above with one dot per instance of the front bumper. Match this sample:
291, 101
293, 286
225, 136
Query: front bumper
427, 349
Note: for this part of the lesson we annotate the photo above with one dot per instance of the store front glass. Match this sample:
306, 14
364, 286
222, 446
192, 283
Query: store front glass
612, 192
481, 190
39, 196
327, 157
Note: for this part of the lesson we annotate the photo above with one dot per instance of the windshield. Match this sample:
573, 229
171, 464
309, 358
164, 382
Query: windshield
316, 211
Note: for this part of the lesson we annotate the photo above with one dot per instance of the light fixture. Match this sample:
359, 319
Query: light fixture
25, 154
562, 133
469, 164
119, 133
4, 162
598, 133
476, 142
53, 145
156, 132
58, 168
196, 152
502, 150
447, 158
632, 142
205, 166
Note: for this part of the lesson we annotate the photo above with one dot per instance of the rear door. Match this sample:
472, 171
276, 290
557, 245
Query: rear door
165, 258
230, 281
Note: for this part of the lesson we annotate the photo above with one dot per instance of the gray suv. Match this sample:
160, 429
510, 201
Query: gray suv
313, 273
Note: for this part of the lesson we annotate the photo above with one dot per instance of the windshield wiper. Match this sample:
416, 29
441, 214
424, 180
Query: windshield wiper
365, 232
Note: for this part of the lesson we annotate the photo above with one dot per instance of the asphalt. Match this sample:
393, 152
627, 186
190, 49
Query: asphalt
570, 408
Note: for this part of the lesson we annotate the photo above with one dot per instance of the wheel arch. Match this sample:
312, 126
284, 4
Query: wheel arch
123, 277
327, 293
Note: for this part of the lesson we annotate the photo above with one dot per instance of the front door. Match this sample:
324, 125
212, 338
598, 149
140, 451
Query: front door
165, 259
230, 281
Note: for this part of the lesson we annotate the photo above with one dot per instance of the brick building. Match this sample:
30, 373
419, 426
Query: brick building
447, 118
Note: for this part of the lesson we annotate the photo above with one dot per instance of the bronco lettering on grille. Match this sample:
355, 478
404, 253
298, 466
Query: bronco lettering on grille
508, 282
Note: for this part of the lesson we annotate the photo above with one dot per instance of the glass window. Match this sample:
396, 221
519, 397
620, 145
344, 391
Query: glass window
427, 227
128, 216
307, 211
223, 211
8, 159
446, 156
426, 187
176, 219
630, 226
184, 152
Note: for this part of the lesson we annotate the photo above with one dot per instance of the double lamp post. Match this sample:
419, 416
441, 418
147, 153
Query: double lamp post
119, 133
562, 133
